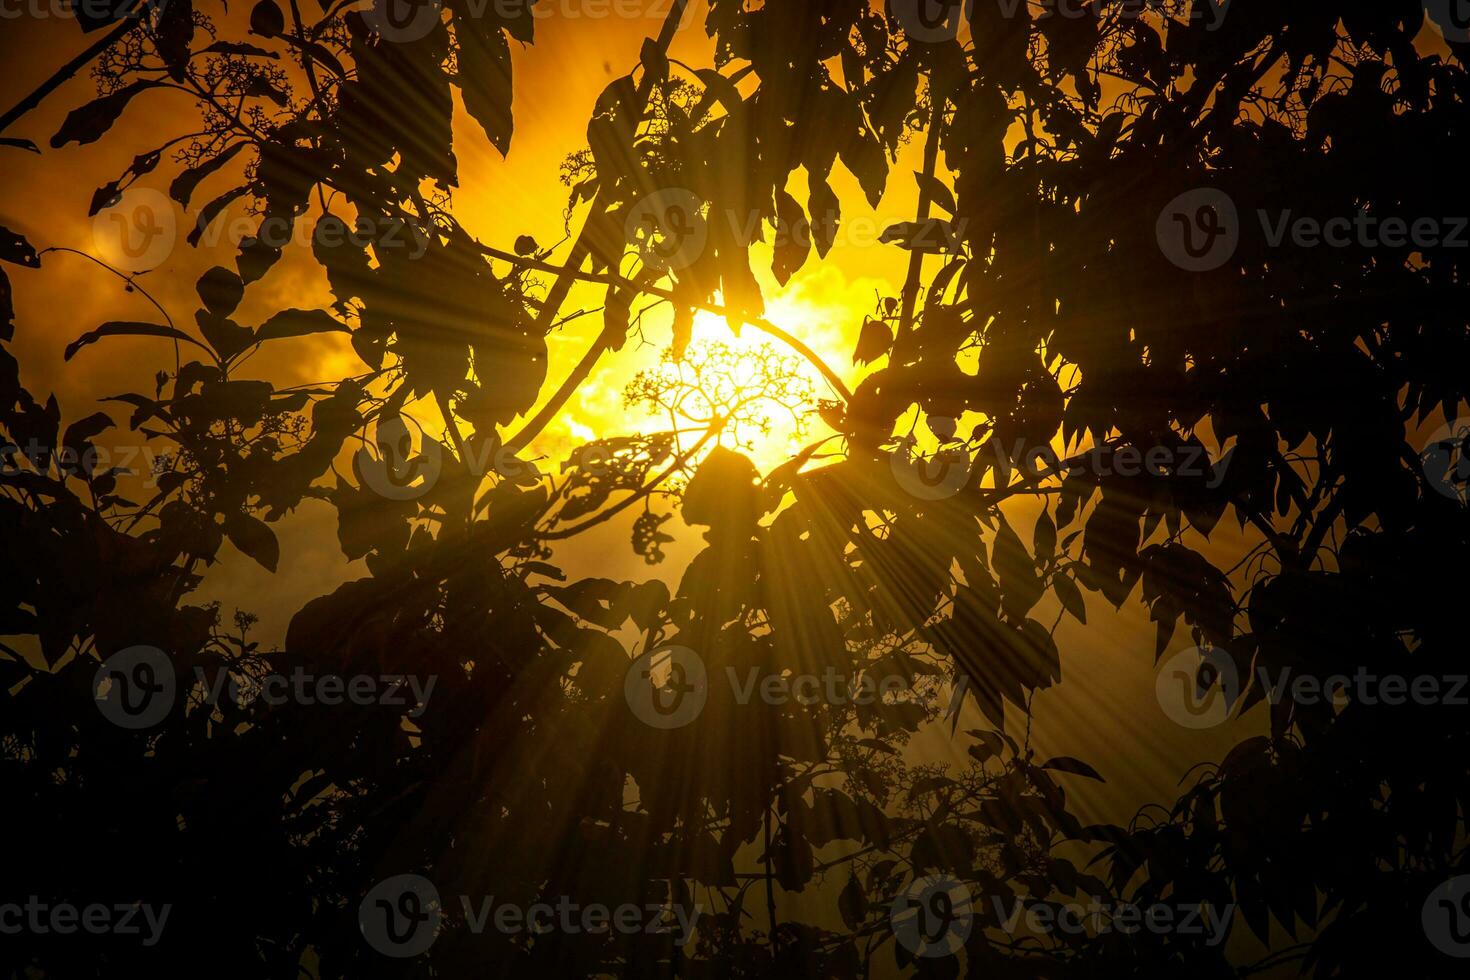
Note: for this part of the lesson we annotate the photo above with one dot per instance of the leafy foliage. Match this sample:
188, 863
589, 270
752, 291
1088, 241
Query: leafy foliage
1299, 375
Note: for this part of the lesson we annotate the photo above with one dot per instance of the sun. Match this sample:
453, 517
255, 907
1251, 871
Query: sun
823, 309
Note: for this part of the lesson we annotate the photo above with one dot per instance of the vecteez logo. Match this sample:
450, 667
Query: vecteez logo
666, 687
134, 688
1446, 917
668, 229
1199, 230
937, 476
396, 472
403, 21
932, 21
136, 231
1446, 460
1451, 18
1198, 687
401, 916
933, 917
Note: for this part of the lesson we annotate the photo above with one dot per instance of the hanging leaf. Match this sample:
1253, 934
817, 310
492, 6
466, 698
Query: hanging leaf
220, 290
826, 215
252, 536
240, 48
7, 308
213, 210
1044, 539
875, 340
793, 238
104, 197
267, 19
173, 32
87, 123
485, 79
850, 903
182, 188
1070, 597
931, 236
121, 328
1065, 763
937, 191
298, 323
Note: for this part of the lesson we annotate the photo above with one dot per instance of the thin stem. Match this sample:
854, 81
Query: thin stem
916, 257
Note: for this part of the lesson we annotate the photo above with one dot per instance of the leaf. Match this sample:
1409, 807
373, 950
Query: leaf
1045, 537
173, 32
1020, 586
267, 19
82, 430
991, 744
240, 48
126, 328
485, 79
213, 210
877, 745
933, 235
7, 308
298, 323
254, 538
826, 214
1070, 597
227, 337
938, 193
182, 188
793, 238
87, 123
647, 602
935, 294
1065, 763
875, 340
220, 290
791, 859
864, 156
850, 903
723, 492
20, 144
104, 197
15, 248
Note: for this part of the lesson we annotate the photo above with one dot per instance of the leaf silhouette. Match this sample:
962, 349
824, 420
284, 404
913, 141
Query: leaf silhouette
87, 123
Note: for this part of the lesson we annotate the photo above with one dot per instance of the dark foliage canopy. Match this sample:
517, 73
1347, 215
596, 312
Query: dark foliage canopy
1304, 378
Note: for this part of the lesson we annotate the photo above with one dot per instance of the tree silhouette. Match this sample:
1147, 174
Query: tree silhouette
1086, 236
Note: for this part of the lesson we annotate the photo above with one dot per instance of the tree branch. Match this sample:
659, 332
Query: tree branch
66, 71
